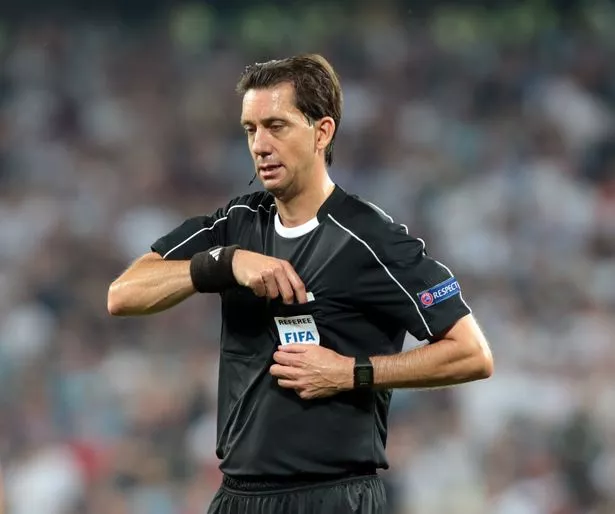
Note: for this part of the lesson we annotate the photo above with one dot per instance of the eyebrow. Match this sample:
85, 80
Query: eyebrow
266, 121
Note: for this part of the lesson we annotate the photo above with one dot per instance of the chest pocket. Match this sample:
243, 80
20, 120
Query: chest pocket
297, 324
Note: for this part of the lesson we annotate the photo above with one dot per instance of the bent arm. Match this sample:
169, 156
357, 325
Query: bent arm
150, 285
461, 355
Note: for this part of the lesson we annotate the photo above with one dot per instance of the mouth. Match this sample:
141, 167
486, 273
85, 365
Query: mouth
267, 171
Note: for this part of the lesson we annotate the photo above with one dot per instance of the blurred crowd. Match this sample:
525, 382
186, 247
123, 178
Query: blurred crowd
498, 151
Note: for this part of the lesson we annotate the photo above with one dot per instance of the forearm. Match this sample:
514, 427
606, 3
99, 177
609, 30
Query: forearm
150, 286
447, 362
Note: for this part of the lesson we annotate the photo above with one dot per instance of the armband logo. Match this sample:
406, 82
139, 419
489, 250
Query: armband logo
439, 292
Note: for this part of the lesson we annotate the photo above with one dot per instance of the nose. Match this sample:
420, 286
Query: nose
261, 146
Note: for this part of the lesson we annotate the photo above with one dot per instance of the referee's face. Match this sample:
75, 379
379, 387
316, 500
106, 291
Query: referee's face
283, 142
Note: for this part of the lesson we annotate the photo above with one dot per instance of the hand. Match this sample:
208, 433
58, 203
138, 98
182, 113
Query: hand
312, 371
268, 276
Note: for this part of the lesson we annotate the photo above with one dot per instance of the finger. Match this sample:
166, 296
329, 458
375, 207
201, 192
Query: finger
287, 384
296, 282
295, 348
258, 287
284, 286
280, 371
270, 283
304, 395
286, 359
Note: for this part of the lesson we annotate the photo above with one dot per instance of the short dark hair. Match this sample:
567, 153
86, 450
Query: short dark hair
318, 92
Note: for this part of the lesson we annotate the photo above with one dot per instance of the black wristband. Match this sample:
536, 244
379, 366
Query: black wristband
212, 271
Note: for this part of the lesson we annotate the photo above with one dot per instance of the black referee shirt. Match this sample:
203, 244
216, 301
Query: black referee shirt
368, 281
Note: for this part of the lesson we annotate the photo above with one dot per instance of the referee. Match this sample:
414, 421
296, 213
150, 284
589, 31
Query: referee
318, 289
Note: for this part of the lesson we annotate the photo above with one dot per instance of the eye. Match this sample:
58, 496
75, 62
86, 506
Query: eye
276, 127
249, 130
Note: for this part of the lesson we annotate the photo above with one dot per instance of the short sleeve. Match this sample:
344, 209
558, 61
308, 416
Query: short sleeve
402, 282
194, 235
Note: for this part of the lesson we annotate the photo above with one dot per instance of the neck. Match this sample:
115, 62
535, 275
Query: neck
304, 206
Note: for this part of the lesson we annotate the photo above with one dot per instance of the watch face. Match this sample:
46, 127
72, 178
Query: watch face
364, 375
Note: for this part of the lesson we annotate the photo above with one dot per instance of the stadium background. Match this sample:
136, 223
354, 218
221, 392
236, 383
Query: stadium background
488, 130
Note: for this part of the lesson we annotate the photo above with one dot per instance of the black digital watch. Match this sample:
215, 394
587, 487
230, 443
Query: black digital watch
363, 373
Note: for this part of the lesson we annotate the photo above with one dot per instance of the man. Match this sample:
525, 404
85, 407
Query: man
318, 290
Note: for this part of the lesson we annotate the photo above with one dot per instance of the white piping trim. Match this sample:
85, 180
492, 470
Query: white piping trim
214, 224
387, 271
381, 211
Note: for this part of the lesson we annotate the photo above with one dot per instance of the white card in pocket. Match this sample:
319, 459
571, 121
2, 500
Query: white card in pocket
297, 329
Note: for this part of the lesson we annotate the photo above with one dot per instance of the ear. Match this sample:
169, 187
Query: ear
325, 129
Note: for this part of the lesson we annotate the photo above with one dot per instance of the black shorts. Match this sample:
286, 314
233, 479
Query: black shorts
353, 495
